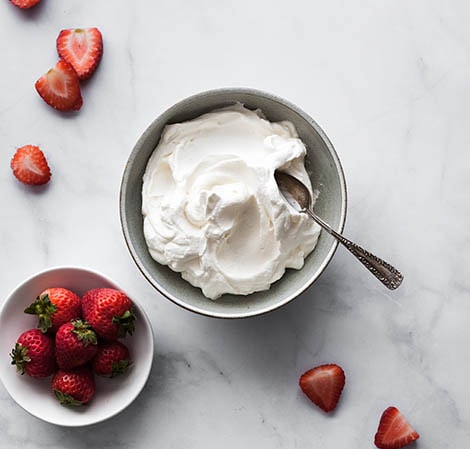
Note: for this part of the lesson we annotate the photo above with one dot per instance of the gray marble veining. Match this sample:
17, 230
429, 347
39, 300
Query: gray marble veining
389, 83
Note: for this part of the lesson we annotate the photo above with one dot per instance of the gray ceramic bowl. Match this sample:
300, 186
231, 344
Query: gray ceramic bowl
323, 167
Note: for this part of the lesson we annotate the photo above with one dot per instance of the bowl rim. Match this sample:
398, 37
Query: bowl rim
142, 312
169, 112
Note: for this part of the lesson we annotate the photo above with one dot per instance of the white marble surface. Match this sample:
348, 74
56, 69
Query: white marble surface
389, 82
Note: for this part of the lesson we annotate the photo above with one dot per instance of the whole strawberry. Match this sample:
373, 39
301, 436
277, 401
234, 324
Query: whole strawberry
111, 359
34, 354
74, 387
76, 344
54, 307
109, 312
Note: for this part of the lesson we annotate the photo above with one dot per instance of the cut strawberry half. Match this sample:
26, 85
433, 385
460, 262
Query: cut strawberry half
82, 48
323, 385
24, 4
394, 431
60, 87
30, 166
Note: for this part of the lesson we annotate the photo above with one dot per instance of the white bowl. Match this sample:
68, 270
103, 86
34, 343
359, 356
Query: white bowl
35, 395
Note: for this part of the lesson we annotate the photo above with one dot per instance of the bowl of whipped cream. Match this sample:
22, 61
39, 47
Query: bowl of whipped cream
203, 216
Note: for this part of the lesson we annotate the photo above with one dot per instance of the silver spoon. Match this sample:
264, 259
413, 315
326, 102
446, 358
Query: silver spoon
298, 196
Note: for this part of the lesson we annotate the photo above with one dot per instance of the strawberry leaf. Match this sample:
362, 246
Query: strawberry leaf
84, 332
120, 367
19, 356
67, 399
125, 323
43, 308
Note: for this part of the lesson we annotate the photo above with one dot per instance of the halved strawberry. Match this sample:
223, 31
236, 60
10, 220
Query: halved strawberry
60, 87
24, 4
30, 166
394, 431
82, 48
323, 385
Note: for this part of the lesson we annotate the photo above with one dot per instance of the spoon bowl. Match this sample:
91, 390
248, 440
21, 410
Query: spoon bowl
299, 197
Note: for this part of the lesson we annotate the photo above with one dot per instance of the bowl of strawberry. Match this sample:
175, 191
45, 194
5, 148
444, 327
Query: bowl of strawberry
75, 348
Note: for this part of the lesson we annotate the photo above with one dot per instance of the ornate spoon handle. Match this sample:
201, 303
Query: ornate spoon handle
383, 271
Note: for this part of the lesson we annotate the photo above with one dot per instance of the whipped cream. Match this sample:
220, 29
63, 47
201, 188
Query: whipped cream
212, 208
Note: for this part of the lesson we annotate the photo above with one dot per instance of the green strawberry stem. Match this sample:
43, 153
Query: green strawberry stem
120, 367
125, 323
67, 399
84, 332
19, 355
43, 308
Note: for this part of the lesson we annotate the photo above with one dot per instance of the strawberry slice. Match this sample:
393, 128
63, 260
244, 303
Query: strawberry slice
24, 4
394, 431
30, 166
60, 87
323, 385
82, 48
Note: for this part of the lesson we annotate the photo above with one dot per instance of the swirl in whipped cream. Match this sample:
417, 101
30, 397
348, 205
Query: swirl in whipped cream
212, 209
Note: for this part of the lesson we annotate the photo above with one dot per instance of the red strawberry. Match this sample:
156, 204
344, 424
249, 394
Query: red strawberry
111, 359
30, 166
54, 307
60, 87
74, 387
25, 4
109, 312
394, 431
323, 385
34, 354
82, 48
75, 343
